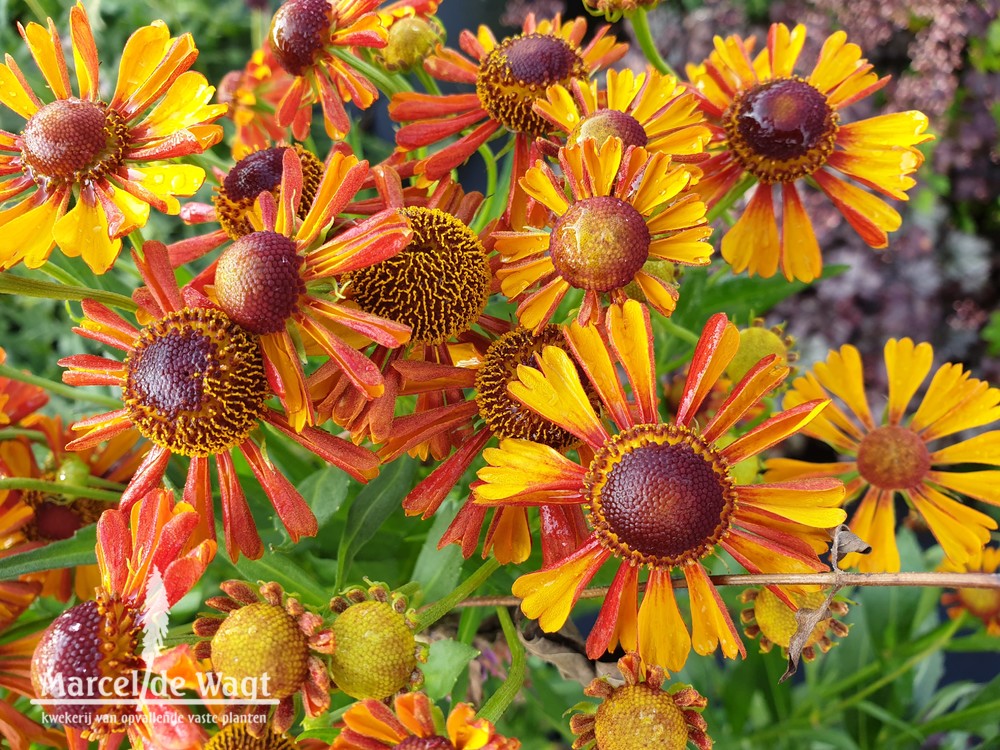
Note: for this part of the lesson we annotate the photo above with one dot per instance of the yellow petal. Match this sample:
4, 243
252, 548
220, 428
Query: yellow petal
83, 231
907, 366
14, 95
169, 180
980, 449
811, 503
752, 244
843, 376
982, 485
631, 336
537, 183
28, 236
875, 522
663, 636
710, 620
521, 465
549, 595
590, 350
185, 104
800, 254
961, 530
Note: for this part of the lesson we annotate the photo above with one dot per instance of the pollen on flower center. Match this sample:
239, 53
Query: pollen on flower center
893, 458
376, 651
518, 71
237, 737
659, 495
777, 621
256, 173
781, 130
438, 285
195, 382
605, 123
299, 32
599, 243
257, 281
640, 716
72, 140
505, 416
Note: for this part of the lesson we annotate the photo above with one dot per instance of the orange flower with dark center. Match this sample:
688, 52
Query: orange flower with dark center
661, 495
193, 383
777, 128
983, 604
98, 154
252, 96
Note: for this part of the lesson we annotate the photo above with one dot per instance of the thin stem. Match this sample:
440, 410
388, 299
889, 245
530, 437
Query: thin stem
38, 10
15, 432
434, 612
137, 240
390, 84
486, 209
640, 27
258, 28
60, 389
427, 80
941, 580
60, 274
500, 701
58, 488
679, 331
105, 483
731, 197
11, 284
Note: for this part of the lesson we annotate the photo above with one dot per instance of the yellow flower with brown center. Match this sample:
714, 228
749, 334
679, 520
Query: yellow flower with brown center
646, 109
983, 604
774, 621
614, 209
900, 455
641, 713
659, 495
776, 128
96, 153
270, 641
377, 653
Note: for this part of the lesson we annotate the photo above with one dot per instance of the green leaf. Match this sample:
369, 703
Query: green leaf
370, 509
325, 491
445, 662
66, 553
438, 570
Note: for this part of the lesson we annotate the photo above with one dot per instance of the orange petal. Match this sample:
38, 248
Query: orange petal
752, 244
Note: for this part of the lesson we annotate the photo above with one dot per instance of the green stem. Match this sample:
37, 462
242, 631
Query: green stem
389, 84
486, 209
60, 274
640, 27
106, 483
60, 389
258, 28
137, 240
10, 284
16, 432
38, 10
428, 82
678, 330
434, 612
58, 488
730, 198
500, 701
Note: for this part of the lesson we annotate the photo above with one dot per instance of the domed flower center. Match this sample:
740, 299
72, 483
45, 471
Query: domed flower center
777, 622
605, 123
640, 716
425, 743
300, 30
599, 243
56, 518
517, 72
90, 640
73, 141
256, 173
237, 737
503, 415
893, 458
781, 130
261, 639
438, 285
257, 281
195, 382
376, 651
659, 495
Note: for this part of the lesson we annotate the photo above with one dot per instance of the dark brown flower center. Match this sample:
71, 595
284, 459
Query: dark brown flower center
89, 641
57, 517
605, 123
599, 243
659, 495
517, 72
238, 737
256, 173
195, 382
257, 281
299, 32
893, 458
503, 415
781, 130
438, 285
72, 141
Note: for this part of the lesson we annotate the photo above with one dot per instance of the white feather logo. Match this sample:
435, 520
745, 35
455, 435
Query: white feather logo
155, 621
